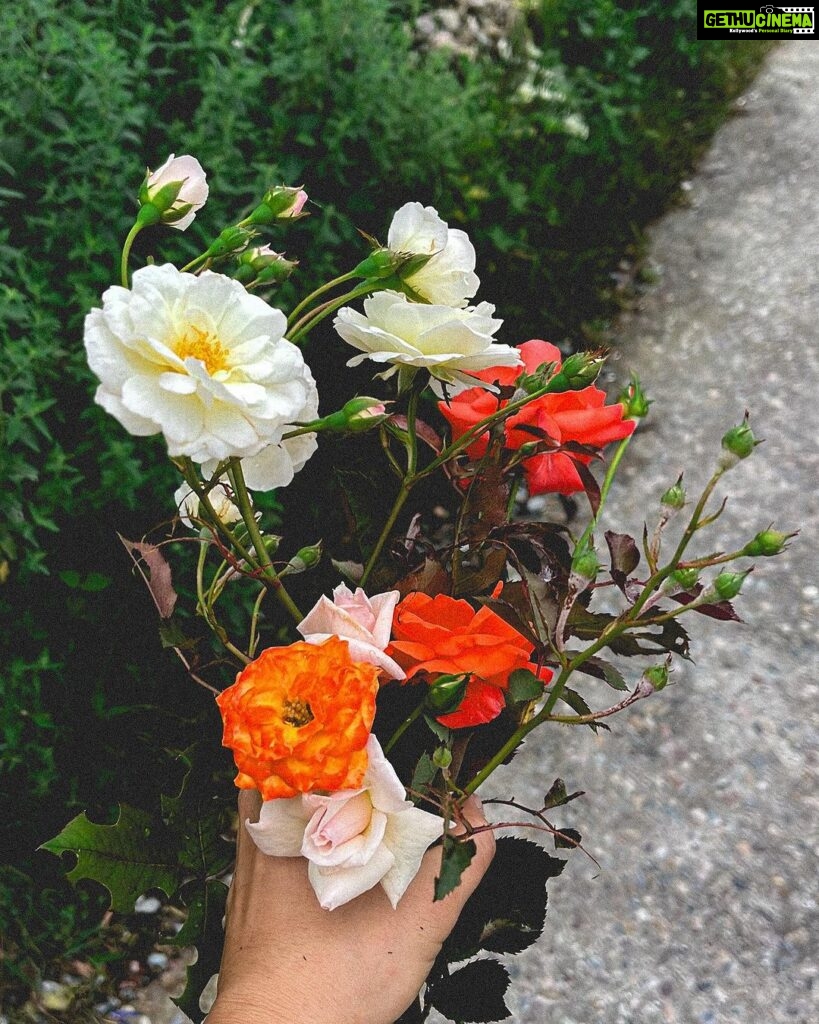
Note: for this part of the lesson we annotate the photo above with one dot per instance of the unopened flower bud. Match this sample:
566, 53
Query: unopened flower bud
578, 371
767, 543
446, 693
173, 193
585, 564
281, 202
305, 558
264, 266
674, 497
686, 578
633, 399
231, 240
442, 757
728, 584
656, 676
737, 444
381, 263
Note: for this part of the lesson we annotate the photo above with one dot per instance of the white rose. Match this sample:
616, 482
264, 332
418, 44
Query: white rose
200, 360
220, 496
193, 193
448, 277
448, 342
364, 622
353, 839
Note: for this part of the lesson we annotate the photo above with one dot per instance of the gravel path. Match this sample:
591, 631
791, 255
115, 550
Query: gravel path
701, 802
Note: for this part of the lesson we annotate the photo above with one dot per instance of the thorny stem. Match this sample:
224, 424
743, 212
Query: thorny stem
207, 610
406, 484
270, 575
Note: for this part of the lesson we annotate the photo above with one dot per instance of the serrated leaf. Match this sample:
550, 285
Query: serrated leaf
507, 911
157, 573
130, 857
567, 839
523, 686
425, 772
580, 707
198, 817
473, 994
601, 669
443, 733
203, 929
456, 856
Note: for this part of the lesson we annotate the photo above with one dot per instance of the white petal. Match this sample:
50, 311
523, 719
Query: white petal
386, 791
336, 886
408, 836
280, 828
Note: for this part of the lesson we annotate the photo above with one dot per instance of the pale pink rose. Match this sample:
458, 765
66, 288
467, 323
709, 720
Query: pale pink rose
298, 204
193, 193
364, 622
353, 839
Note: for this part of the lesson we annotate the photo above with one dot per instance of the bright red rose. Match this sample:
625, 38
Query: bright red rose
580, 416
443, 636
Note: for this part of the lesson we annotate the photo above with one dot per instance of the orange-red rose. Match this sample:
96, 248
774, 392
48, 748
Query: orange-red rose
580, 416
298, 719
442, 636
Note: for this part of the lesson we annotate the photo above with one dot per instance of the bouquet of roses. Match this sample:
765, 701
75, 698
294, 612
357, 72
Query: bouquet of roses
453, 629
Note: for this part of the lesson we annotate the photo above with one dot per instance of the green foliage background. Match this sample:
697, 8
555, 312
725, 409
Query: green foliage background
333, 95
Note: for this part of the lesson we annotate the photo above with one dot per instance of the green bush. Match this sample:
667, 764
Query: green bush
552, 162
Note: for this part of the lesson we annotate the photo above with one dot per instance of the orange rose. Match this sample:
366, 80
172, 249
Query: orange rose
443, 636
298, 719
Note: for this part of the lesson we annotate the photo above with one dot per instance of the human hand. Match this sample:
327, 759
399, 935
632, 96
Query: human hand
288, 961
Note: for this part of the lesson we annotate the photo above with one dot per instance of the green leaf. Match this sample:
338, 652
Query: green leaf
443, 733
580, 707
202, 929
425, 772
474, 993
523, 686
129, 857
199, 818
507, 911
456, 856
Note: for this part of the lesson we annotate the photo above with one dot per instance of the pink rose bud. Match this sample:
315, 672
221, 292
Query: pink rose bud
281, 202
173, 193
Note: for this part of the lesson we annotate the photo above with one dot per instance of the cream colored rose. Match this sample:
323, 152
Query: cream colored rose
448, 342
353, 839
447, 278
205, 363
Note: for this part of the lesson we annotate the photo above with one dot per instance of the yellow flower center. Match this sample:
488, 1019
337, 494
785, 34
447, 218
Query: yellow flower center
198, 344
297, 712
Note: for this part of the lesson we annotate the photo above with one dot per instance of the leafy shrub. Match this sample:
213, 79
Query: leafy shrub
552, 167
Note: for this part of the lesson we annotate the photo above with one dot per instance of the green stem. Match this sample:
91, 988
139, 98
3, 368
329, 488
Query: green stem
316, 315
126, 252
402, 728
240, 492
193, 262
406, 483
208, 612
611, 470
319, 291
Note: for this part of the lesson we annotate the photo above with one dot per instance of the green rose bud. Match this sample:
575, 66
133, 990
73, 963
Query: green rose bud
305, 558
446, 693
442, 757
229, 241
578, 371
656, 676
767, 543
634, 401
737, 444
280, 202
379, 264
674, 497
585, 563
686, 578
728, 584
